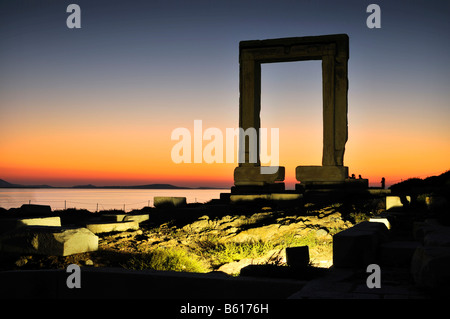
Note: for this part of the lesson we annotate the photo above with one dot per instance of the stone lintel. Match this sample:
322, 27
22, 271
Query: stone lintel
341, 42
321, 174
251, 175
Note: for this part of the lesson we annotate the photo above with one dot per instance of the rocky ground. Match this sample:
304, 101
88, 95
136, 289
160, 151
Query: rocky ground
222, 241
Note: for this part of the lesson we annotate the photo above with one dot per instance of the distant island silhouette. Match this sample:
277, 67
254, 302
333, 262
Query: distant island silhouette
439, 183
5, 184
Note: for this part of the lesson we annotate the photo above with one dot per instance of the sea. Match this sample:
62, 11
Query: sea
99, 199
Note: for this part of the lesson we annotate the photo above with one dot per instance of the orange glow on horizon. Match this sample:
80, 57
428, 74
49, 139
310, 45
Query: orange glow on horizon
138, 154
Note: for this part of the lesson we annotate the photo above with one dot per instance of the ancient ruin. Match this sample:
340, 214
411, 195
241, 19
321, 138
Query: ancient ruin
333, 50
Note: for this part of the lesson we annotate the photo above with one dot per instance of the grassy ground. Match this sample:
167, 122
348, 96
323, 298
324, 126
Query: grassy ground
163, 246
211, 253
203, 255
175, 259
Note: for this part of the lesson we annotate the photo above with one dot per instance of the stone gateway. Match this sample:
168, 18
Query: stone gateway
333, 50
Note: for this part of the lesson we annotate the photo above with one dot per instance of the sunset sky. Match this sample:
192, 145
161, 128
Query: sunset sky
98, 104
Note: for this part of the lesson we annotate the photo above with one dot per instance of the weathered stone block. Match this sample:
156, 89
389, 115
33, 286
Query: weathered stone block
383, 220
358, 246
310, 174
430, 267
112, 227
297, 257
139, 218
163, 201
251, 175
48, 240
43, 221
9, 224
249, 198
398, 253
286, 197
396, 201
235, 198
